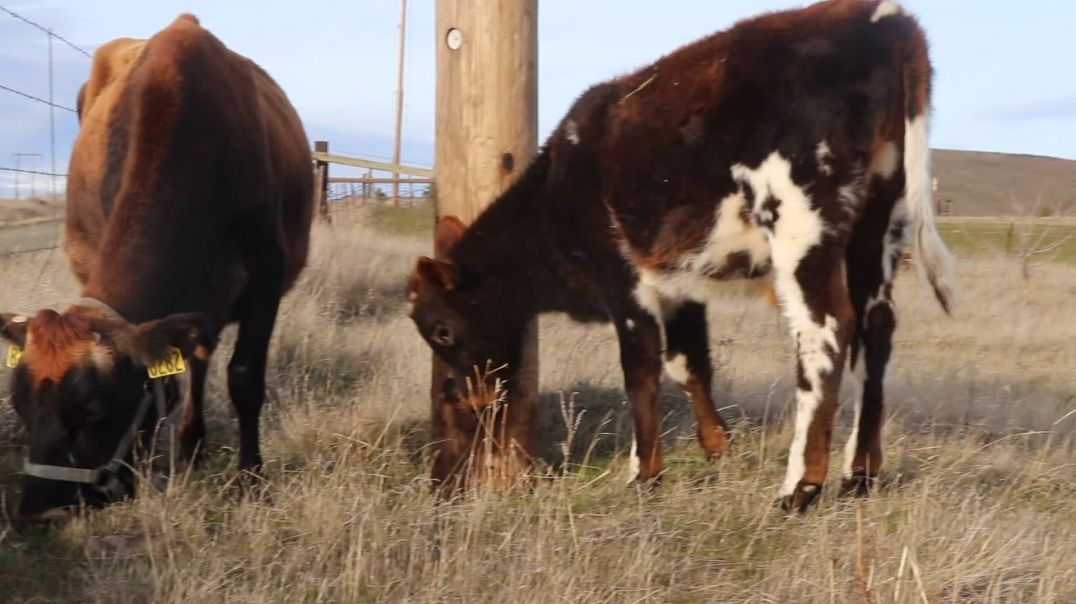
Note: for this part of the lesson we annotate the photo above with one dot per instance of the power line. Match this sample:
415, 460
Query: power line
46, 30
38, 99
20, 170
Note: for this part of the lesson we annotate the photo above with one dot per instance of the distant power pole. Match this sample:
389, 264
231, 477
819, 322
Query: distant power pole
399, 103
486, 134
18, 166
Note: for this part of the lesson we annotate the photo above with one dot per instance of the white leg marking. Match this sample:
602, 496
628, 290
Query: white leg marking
630, 325
885, 9
676, 367
633, 461
816, 346
795, 233
885, 162
859, 373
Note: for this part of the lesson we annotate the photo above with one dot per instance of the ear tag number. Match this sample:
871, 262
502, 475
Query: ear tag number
171, 364
14, 355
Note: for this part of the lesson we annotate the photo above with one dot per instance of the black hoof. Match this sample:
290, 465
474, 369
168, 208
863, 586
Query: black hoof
858, 485
802, 498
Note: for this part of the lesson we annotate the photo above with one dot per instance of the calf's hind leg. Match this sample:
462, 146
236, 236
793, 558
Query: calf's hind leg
873, 253
640, 359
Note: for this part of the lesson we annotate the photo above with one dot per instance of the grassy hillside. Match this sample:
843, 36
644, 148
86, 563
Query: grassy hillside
978, 500
27, 210
1001, 184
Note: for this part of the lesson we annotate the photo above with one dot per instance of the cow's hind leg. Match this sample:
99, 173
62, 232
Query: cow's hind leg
246, 371
687, 362
873, 253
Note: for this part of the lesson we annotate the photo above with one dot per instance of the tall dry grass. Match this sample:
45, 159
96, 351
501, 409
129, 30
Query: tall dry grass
978, 500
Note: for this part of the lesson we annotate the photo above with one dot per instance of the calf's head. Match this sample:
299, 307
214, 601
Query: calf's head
77, 388
472, 321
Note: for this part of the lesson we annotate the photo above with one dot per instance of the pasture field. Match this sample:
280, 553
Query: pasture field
995, 236
977, 503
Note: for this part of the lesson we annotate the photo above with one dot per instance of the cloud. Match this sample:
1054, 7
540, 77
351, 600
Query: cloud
1056, 108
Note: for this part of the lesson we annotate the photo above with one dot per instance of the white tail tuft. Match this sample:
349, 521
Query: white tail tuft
927, 246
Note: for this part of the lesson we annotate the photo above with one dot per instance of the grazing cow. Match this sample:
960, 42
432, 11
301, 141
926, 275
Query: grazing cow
792, 146
189, 204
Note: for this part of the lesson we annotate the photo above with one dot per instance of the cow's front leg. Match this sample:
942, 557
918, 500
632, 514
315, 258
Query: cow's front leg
640, 358
815, 301
687, 361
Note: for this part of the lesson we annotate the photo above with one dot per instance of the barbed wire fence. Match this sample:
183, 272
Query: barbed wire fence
52, 174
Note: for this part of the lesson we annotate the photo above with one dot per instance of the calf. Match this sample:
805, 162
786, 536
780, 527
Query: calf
792, 148
188, 207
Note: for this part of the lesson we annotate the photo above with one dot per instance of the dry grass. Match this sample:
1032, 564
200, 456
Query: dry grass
29, 209
978, 503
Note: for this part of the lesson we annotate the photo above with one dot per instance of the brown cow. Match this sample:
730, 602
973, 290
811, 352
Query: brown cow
792, 146
188, 208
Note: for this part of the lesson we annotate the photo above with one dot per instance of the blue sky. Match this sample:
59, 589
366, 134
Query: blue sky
1005, 75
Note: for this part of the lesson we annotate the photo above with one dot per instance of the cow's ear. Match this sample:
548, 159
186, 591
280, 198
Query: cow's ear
438, 273
13, 328
191, 333
448, 232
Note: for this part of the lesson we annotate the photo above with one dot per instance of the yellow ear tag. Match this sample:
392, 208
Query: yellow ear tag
14, 355
171, 364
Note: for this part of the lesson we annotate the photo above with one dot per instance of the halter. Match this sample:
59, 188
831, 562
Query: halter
105, 478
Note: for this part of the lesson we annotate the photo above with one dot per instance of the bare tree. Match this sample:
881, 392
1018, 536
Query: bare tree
1031, 236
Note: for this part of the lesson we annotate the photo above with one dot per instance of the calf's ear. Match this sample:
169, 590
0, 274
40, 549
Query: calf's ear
438, 273
13, 328
448, 232
191, 333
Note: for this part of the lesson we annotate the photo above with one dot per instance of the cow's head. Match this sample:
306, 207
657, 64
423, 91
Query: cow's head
77, 388
468, 319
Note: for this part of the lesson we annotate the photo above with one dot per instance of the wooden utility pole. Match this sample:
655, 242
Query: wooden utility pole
399, 101
486, 134
321, 181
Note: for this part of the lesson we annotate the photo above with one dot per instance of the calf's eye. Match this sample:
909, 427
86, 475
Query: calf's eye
443, 335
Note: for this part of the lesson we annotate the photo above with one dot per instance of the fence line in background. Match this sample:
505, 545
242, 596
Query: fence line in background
50, 102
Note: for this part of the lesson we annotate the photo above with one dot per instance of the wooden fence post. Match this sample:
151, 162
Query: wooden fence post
321, 181
486, 134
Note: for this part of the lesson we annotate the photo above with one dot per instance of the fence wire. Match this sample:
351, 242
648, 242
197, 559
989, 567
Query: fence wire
50, 172
46, 30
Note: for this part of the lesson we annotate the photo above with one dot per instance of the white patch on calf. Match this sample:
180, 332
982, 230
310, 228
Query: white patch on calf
676, 367
629, 325
571, 132
731, 234
799, 228
885, 161
823, 154
893, 245
633, 461
859, 375
885, 9
658, 292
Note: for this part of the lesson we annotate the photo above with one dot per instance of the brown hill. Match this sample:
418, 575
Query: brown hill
1001, 184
